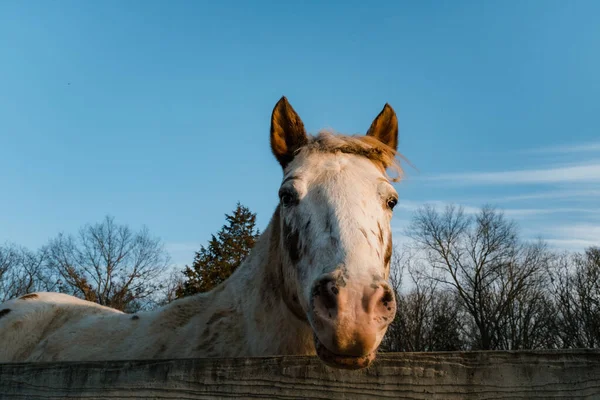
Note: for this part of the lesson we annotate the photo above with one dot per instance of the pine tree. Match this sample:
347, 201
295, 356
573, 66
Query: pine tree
225, 252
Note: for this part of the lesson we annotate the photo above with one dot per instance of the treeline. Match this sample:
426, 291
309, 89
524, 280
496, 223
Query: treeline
470, 283
463, 282
106, 263
113, 265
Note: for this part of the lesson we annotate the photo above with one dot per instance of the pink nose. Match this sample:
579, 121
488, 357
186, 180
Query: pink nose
350, 319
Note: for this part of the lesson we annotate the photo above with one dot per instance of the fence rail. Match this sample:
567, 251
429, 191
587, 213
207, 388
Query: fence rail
572, 374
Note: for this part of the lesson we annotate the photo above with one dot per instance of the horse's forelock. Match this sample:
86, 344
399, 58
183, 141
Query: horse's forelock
365, 146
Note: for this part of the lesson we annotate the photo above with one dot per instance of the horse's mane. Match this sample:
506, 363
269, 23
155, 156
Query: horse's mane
366, 146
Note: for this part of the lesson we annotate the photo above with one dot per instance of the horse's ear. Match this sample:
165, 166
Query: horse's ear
385, 127
287, 132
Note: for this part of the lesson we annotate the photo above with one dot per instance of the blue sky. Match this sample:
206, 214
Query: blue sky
158, 112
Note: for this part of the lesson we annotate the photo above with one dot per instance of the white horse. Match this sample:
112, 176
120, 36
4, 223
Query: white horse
315, 282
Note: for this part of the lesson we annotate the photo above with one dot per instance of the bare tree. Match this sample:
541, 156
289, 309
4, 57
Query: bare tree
576, 289
22, 271
530, 319
393, 337
109, 264
427, 318
483, 262
170, 283
401, 260
8, 260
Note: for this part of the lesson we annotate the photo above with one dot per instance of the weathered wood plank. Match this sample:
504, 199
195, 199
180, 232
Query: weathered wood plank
470, 375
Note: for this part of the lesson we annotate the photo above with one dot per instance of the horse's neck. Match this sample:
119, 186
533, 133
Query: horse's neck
272, 326
253, 293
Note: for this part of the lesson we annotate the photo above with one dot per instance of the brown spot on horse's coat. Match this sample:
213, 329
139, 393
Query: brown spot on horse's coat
291, 241
364, 234
277, 285
388, 252
205, 333
380, 233
329, 224
218, 289
334, 241
376, 281
218, 315
4, 312
162, 348
340, 281
29, 296
269, 287
316, 291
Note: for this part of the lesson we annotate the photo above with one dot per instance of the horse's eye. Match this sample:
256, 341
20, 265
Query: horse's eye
391, 203
287, 199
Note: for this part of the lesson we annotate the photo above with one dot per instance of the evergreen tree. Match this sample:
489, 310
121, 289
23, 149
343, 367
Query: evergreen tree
225, 252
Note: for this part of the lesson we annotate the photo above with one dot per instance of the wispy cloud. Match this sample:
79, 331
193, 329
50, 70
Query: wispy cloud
524, 212
589, 173
566, 149
411, 205
589, 232
573, 237
571, 244
555, 194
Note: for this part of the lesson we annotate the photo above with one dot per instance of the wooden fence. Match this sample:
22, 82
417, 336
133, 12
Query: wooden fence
573, 374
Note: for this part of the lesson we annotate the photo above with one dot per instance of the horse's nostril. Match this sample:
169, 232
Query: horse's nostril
387, 297
335, 290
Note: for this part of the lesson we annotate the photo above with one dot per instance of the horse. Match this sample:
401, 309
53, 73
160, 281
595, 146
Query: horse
316, 281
